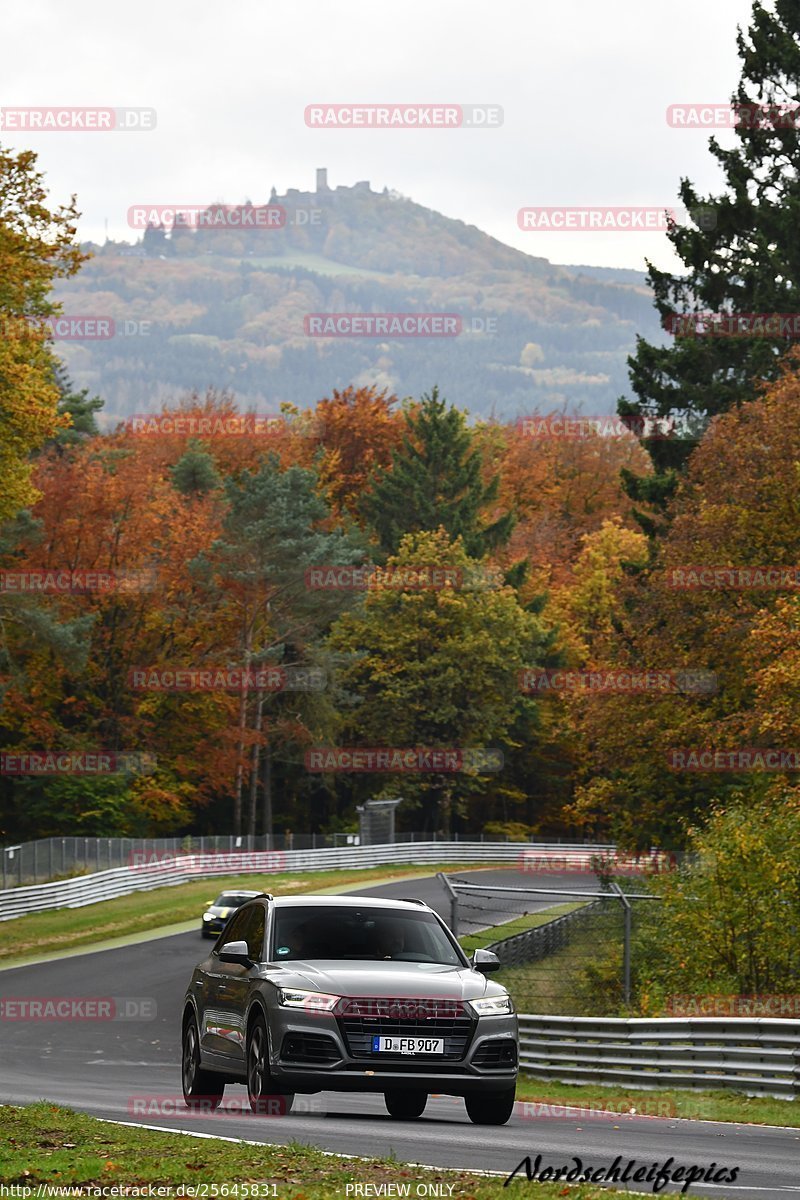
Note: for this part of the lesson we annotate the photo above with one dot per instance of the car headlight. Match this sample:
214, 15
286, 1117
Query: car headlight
208, 916
493, 1006
310, 1001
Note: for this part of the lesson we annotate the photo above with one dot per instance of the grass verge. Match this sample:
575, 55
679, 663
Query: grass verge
595, 1102
69, 928
44, 1144
507, 929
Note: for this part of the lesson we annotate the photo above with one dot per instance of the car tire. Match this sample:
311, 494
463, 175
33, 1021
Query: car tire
405, 1105
264, 1098
201, 1089
490, 1108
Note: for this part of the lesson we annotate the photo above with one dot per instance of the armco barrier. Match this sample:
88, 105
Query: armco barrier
756, 1055
122, 881
45, 859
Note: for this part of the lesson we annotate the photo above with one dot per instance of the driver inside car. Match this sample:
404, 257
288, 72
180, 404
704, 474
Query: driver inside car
391, 942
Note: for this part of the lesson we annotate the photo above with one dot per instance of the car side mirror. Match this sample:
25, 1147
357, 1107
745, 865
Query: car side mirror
236, 952
485, 961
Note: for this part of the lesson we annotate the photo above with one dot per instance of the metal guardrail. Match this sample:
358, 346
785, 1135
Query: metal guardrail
536, 943
172, 869
756, 1055
59, 857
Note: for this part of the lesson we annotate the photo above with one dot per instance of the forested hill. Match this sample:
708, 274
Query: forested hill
225, 307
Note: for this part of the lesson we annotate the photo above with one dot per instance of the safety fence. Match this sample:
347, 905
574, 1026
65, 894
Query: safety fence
165, 868
50, 858
759, 1056
586, 956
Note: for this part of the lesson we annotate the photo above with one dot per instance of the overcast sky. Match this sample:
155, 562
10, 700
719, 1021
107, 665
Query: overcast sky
584, 88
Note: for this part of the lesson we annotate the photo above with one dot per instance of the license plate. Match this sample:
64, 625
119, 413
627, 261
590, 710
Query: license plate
408, 1045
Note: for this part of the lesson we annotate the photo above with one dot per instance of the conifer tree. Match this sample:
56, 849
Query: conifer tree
744, 260
195, 472
78, 406
435, 481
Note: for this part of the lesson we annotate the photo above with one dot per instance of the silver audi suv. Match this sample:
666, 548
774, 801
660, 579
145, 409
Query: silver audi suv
332, 993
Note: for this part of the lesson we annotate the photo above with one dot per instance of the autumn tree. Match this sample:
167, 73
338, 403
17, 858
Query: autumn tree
273, 533
348, 437
589, 607
707, 607
106, 511
735, 903
213, 424
37, 246
560, 488
437, 667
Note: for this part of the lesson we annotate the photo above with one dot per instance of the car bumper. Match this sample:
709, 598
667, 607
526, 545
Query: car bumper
476, 1071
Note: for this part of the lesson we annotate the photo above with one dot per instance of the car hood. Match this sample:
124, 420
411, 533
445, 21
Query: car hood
216, 910
392, 979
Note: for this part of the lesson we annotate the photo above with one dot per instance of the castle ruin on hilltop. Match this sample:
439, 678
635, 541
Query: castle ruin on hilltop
323, 193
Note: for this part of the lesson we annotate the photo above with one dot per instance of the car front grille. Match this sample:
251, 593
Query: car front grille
364, 1018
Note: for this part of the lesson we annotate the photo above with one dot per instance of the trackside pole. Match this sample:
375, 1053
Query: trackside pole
626, 951
440, 875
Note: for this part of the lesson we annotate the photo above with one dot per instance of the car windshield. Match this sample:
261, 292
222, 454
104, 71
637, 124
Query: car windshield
360, 934
230, 899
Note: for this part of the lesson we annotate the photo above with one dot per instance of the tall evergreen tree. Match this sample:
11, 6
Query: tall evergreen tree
435, 480
195, 472
746, 260
78, 406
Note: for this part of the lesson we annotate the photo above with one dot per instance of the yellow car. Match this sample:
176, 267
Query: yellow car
215, 918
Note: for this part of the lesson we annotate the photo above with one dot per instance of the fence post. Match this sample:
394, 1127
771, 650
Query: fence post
446, 884
36, 861
626, 950
50, 857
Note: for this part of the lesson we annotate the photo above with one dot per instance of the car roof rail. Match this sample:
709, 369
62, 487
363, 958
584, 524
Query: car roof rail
413, 900
262, 896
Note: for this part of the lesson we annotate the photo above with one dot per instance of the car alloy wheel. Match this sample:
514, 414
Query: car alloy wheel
201, 1089
263, 1099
